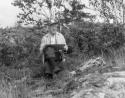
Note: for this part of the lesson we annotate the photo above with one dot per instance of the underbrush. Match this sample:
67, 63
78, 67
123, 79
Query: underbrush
13, 82
21, 59
102, 41
21, 49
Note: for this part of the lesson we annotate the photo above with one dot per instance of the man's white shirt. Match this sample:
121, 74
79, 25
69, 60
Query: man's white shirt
57, 38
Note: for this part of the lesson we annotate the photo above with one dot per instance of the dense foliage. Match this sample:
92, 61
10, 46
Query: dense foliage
20, 46
39, 13
110, 9
98, 40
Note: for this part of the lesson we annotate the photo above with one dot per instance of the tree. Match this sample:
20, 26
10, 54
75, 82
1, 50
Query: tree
110, 9
39, 12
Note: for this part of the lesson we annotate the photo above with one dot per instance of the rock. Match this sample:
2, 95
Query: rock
97, 80
101, 95
95, 95
37, 93
115, 74
107, 85
70, 86
81, 93
93, 64
90, 93
115, 80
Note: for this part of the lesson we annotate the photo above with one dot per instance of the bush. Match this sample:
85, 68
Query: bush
24, 51
102, 41
87, 38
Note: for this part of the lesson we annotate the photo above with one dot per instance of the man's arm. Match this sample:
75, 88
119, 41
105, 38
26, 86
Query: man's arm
64, 42
42, 45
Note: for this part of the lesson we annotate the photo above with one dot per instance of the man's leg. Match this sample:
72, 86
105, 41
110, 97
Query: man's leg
59, 63
53, 67
50, 67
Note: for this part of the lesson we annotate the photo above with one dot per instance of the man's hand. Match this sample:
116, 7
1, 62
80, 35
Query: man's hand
66, 47
41, 52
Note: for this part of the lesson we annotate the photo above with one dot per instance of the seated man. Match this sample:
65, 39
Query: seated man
52, 38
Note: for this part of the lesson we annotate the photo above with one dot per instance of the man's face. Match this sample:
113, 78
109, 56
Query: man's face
53, 29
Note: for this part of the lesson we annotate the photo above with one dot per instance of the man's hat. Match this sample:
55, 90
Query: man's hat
52, 23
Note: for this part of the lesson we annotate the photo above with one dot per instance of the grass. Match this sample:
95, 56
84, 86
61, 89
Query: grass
21, 88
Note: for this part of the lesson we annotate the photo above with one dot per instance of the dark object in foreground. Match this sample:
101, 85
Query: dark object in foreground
53, 57
53, 61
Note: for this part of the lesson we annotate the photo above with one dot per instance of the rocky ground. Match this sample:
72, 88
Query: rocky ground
92, 79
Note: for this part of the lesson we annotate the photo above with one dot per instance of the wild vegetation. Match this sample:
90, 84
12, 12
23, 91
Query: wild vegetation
20, 59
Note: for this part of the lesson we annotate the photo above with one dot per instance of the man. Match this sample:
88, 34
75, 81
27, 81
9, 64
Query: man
52, 38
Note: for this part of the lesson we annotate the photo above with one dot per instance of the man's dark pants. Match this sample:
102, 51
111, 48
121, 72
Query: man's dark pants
53, 63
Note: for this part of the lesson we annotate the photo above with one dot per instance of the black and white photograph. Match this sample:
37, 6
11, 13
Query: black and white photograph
62, 48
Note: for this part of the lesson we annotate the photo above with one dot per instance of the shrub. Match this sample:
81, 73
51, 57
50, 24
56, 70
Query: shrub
87, 38
24, 51
101, 41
